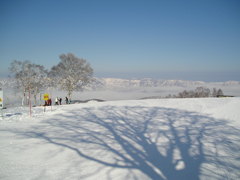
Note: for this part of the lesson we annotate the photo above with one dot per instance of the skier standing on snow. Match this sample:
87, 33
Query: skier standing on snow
56, 101
60, 101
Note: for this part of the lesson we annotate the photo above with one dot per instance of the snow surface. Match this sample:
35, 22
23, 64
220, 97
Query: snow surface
130, 139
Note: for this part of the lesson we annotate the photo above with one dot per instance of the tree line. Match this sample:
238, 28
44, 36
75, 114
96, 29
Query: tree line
70, 74
199, 92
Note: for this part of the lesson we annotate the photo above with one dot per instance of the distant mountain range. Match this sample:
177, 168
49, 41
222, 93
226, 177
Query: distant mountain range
115, 83
120, 89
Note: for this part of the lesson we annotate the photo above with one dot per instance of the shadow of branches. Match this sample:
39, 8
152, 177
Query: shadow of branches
161, 143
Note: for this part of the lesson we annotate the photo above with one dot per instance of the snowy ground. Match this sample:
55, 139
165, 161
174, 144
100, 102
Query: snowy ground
137, 139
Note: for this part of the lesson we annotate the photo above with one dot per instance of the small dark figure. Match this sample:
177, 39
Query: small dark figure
60, 101
46, 103
66, 99
49, 102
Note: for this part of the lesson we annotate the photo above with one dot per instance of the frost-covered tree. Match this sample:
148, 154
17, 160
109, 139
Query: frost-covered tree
219, 92
183, 94
72, 73
29, 77
198, 92
214, 92
202, 92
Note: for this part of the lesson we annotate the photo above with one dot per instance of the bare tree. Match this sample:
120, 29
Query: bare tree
198, 92
30, 77
72, 73
214, 92
202, 92
219, 93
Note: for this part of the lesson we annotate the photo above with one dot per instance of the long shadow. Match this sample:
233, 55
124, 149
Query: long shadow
162, 143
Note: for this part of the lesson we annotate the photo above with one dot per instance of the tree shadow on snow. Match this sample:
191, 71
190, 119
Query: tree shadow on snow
162, 143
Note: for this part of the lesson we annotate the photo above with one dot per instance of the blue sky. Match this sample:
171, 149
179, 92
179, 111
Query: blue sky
192, 40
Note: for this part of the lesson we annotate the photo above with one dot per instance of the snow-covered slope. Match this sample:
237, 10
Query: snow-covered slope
144, 139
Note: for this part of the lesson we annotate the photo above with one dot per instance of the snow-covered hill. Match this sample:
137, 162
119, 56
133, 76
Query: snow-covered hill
140, 139
110, 83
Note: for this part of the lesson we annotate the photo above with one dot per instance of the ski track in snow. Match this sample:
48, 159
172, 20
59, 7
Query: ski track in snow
134, 139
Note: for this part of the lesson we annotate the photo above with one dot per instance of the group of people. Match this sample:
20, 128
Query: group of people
58, 101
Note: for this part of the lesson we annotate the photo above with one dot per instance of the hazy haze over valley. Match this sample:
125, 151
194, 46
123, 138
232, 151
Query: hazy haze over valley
123, 89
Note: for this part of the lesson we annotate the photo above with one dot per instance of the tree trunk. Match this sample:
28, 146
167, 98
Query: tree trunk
69, 96
35, 99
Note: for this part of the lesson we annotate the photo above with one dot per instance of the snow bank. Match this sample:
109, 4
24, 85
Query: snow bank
137, 139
